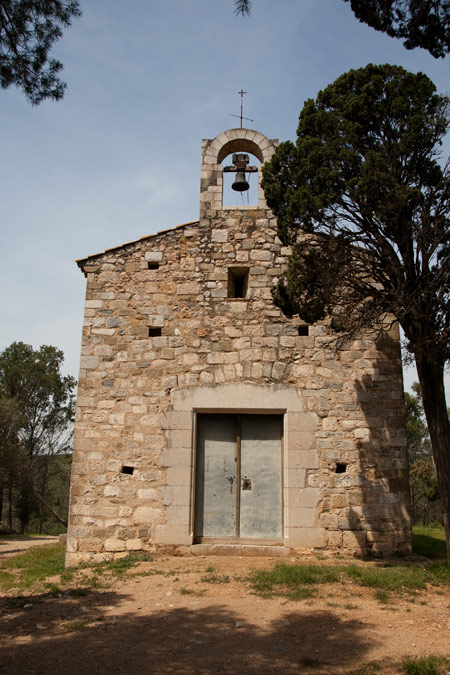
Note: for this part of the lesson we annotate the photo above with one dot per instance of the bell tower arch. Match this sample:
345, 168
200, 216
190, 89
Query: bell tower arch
214, 152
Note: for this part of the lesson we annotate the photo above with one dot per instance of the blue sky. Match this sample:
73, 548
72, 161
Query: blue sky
119, 157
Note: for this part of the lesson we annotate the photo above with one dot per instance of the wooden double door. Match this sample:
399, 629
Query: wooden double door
239, 478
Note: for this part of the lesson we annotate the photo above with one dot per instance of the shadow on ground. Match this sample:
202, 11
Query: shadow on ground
91, 635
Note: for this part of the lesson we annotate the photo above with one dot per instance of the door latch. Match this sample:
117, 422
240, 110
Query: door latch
246, 483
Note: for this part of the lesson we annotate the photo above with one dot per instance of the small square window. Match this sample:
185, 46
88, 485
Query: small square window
154, 332
237, 282
129, 470
341, 467
303, 330
153, 265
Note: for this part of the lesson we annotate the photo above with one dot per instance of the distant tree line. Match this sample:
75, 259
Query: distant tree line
425, 500
36, 422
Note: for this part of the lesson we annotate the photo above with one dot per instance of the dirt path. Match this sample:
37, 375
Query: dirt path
198, 615
12, 545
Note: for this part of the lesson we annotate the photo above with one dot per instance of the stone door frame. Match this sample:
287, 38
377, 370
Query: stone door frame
299, 455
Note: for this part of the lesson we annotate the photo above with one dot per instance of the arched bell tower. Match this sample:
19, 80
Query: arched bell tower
214, 152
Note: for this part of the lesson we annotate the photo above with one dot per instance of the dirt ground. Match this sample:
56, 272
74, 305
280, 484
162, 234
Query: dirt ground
198, 615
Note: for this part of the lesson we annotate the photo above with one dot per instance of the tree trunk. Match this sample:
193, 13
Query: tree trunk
10, 502
431, 378
54, 513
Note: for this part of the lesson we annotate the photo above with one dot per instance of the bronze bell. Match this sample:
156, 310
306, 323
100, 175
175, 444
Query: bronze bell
240, 182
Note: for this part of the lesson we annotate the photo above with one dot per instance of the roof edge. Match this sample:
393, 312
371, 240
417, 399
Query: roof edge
82, 261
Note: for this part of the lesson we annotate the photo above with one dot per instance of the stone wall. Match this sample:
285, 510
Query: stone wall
345, 480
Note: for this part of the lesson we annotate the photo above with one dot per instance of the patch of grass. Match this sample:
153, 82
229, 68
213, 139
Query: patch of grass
429, 541
382, 595
210, 569
439, 573
214, 578
369, 668
191, 591
301, 593
426, 665
7, 580
396, 578
54, 589
287, 580
121, 565
36, 564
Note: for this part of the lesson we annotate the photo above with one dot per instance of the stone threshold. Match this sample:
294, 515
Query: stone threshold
239, 549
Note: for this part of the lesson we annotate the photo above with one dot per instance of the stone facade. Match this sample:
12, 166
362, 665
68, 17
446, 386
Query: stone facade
165, 340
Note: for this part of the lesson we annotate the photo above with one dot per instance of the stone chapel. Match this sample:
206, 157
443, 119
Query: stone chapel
207, 420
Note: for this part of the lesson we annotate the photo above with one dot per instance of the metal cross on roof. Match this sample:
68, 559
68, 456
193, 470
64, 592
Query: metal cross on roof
242, 92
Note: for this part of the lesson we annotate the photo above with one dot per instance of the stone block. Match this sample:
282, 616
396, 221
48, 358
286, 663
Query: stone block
71, 545
294, 478
172, 534
89, 362
176, 495
134, 544
176, 420
354, 540
147, 493
181, 457
219, 235
334, 540
303, 498
114, 545
178, 515
179, 438
153, 256
146, 514
306, 537
90, 545
178, 476
301, 517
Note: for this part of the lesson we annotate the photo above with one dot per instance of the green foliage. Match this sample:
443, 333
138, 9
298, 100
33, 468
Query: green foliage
36, 415
290, 580
364, 200
420, 23
28, 31
370, 668
426, 665
363, 181
214, 578
295, 581
422, 475
389, 579
429, 541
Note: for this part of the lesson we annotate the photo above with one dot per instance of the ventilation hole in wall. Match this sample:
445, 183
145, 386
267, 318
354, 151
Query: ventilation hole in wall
128, 470
303, 331
237, 282
340, 467
153, 265
154, 332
